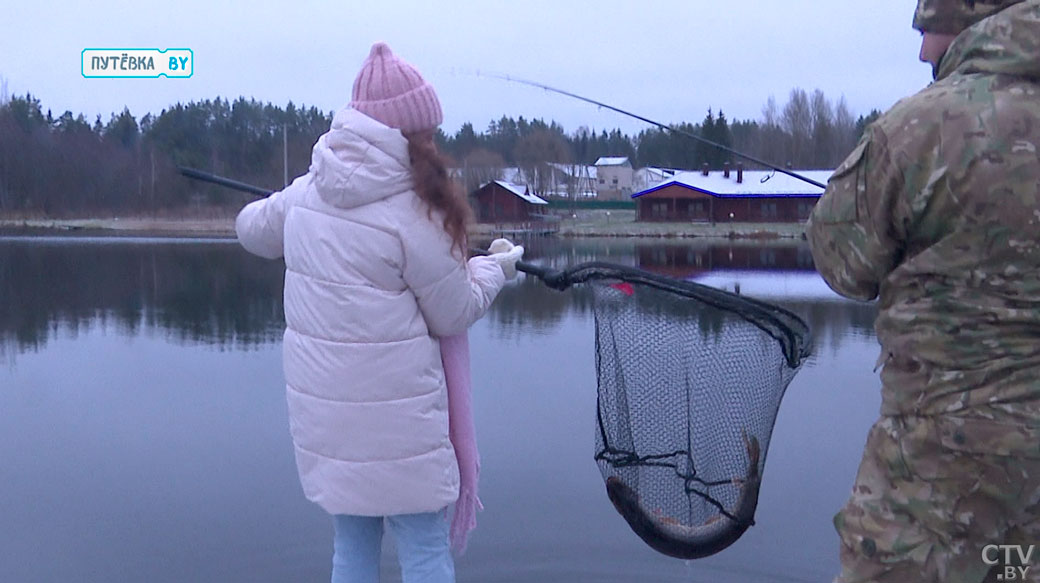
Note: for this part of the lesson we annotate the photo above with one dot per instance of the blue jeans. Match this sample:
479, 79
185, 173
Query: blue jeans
422, 548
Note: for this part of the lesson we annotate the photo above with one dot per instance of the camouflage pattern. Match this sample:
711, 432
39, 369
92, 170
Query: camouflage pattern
953, 16
937, 213
925, 503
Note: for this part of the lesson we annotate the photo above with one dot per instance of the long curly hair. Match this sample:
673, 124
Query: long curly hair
435, 188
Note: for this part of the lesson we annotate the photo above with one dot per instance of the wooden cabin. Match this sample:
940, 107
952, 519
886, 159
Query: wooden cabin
504, 202
753, 196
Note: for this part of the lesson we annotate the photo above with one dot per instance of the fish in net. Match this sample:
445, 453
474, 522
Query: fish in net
690, 380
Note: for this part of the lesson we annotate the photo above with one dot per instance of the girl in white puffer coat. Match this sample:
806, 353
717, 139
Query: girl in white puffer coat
374, 243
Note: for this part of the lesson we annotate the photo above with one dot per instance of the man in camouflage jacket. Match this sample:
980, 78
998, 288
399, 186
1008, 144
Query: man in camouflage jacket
937, 213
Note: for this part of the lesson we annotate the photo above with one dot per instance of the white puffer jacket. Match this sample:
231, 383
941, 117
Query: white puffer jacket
370, 281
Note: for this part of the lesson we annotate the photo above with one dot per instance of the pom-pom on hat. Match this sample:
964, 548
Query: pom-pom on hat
392, 92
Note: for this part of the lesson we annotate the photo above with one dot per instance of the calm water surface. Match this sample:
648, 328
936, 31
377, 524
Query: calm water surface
143, 430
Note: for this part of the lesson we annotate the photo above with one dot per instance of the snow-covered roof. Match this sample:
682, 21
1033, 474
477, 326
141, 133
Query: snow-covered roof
512, 174
561, 172
520, 191
654, 173
575, 170
612, 161
755, 183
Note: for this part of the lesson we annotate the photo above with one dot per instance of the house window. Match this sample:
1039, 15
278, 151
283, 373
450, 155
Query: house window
659, 210
804, 209
769, 210
805, 258
696, 209
767, 257
602, 181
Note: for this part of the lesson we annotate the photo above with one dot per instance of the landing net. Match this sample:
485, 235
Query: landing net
690, 380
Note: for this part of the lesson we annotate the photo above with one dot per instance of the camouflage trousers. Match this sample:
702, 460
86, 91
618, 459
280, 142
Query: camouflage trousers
932, 493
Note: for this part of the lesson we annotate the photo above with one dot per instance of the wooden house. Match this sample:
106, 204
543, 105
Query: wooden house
752, 196
504, 202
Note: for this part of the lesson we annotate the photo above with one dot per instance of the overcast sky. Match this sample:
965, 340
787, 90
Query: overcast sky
666, 60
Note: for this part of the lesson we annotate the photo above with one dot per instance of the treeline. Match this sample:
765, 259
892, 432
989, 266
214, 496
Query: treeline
68, 166
809, 132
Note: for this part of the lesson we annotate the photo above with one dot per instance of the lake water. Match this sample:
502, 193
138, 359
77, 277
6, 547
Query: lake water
143, 430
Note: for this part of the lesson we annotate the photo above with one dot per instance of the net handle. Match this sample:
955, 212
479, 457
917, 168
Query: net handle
553, 278
782, 324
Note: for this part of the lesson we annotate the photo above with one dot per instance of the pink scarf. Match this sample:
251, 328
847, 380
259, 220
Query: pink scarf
463, 433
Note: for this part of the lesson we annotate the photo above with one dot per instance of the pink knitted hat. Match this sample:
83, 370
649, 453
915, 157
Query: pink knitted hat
393, 93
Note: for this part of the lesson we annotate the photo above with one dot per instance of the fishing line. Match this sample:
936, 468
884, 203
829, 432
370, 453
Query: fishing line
512, 79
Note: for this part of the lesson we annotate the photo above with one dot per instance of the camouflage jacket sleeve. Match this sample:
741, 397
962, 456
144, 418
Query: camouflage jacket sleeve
856, 232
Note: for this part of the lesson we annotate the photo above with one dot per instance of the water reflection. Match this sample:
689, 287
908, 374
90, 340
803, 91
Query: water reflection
199, 291
785, 277
214, 292
143, 410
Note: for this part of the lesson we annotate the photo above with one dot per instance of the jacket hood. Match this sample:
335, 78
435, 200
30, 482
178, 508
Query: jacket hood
359, 161
1006, 43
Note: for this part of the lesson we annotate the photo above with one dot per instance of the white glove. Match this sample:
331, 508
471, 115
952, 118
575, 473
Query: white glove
506, 254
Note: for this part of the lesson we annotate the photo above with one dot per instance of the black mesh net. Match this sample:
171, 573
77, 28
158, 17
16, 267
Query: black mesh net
690, 379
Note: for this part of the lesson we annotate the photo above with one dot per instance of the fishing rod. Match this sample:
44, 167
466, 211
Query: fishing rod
561, 279
213, 178
550, 276
722, 147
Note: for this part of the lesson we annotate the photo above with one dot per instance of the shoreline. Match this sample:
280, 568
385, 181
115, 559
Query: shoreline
182, 228
224, 228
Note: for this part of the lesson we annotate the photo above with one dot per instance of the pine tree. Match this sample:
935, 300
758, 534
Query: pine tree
721, 135
706, 152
